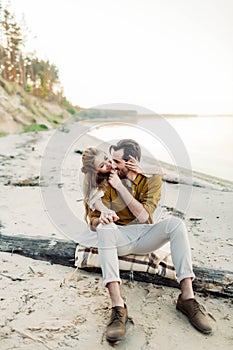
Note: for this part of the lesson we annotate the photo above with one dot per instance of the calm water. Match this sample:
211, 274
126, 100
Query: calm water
207, 140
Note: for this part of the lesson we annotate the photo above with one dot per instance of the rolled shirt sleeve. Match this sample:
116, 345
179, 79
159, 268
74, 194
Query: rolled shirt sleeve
150, 194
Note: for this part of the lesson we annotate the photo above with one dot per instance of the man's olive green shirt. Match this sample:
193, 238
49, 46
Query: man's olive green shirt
146, 190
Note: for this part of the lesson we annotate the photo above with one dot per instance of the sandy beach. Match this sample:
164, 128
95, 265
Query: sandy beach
46, 306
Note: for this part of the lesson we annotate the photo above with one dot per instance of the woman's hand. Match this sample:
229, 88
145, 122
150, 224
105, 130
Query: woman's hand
114, 180
108, 216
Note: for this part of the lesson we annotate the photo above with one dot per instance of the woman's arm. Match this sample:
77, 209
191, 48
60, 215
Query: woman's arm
106, 215
98, 205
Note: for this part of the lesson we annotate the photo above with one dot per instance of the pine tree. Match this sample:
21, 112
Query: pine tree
11, 42
38, 77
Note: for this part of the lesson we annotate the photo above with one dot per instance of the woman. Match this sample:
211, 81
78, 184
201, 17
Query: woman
98, 167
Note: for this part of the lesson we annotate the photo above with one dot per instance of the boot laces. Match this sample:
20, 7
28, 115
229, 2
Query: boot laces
197, 307
116, 316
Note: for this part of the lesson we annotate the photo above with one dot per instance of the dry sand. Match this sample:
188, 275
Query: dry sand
44, 306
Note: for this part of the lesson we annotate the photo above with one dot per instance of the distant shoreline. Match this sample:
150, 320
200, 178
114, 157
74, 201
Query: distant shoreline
104, 113
199, 179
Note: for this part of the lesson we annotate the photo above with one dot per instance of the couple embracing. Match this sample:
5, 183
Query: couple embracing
120, 198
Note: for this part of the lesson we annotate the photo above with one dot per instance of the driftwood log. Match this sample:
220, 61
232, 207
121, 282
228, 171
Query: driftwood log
208, 281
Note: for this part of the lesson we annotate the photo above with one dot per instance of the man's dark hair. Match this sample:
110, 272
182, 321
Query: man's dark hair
130, 147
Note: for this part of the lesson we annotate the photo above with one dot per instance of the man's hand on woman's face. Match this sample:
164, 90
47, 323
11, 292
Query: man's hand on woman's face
134, 165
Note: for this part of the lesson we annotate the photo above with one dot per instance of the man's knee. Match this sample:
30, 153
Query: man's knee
107, 236
176, 225
106, 227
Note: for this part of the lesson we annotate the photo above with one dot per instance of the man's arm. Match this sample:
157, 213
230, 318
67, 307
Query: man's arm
151, 197
148, 202
136, 208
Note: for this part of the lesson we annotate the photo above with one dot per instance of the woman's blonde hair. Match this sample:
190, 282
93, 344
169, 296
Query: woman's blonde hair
90, 178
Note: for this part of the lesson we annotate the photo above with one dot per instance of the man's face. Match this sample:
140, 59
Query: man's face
119, 163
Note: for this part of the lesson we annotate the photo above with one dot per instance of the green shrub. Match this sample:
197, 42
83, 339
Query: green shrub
35, 127
71, 110
28, 88
2, 133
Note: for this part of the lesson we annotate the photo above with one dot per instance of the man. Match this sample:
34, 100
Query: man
134, 197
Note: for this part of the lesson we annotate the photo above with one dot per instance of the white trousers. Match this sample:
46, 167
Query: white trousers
115, 240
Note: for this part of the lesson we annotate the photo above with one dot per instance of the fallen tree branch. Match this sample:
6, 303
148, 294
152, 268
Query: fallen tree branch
208, 281
12, 278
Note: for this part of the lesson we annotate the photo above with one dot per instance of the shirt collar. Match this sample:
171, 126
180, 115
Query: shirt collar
137, 179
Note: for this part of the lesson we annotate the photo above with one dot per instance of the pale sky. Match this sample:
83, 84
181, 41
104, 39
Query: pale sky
170, 56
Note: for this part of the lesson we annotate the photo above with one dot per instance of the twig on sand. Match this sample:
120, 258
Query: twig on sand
12, 278
72, 275
26, 335
31, 269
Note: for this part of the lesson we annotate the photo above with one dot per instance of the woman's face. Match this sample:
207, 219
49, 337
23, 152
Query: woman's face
103, 163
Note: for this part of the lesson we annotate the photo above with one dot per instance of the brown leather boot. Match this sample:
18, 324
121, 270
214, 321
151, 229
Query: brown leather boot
192, 309
116, 327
